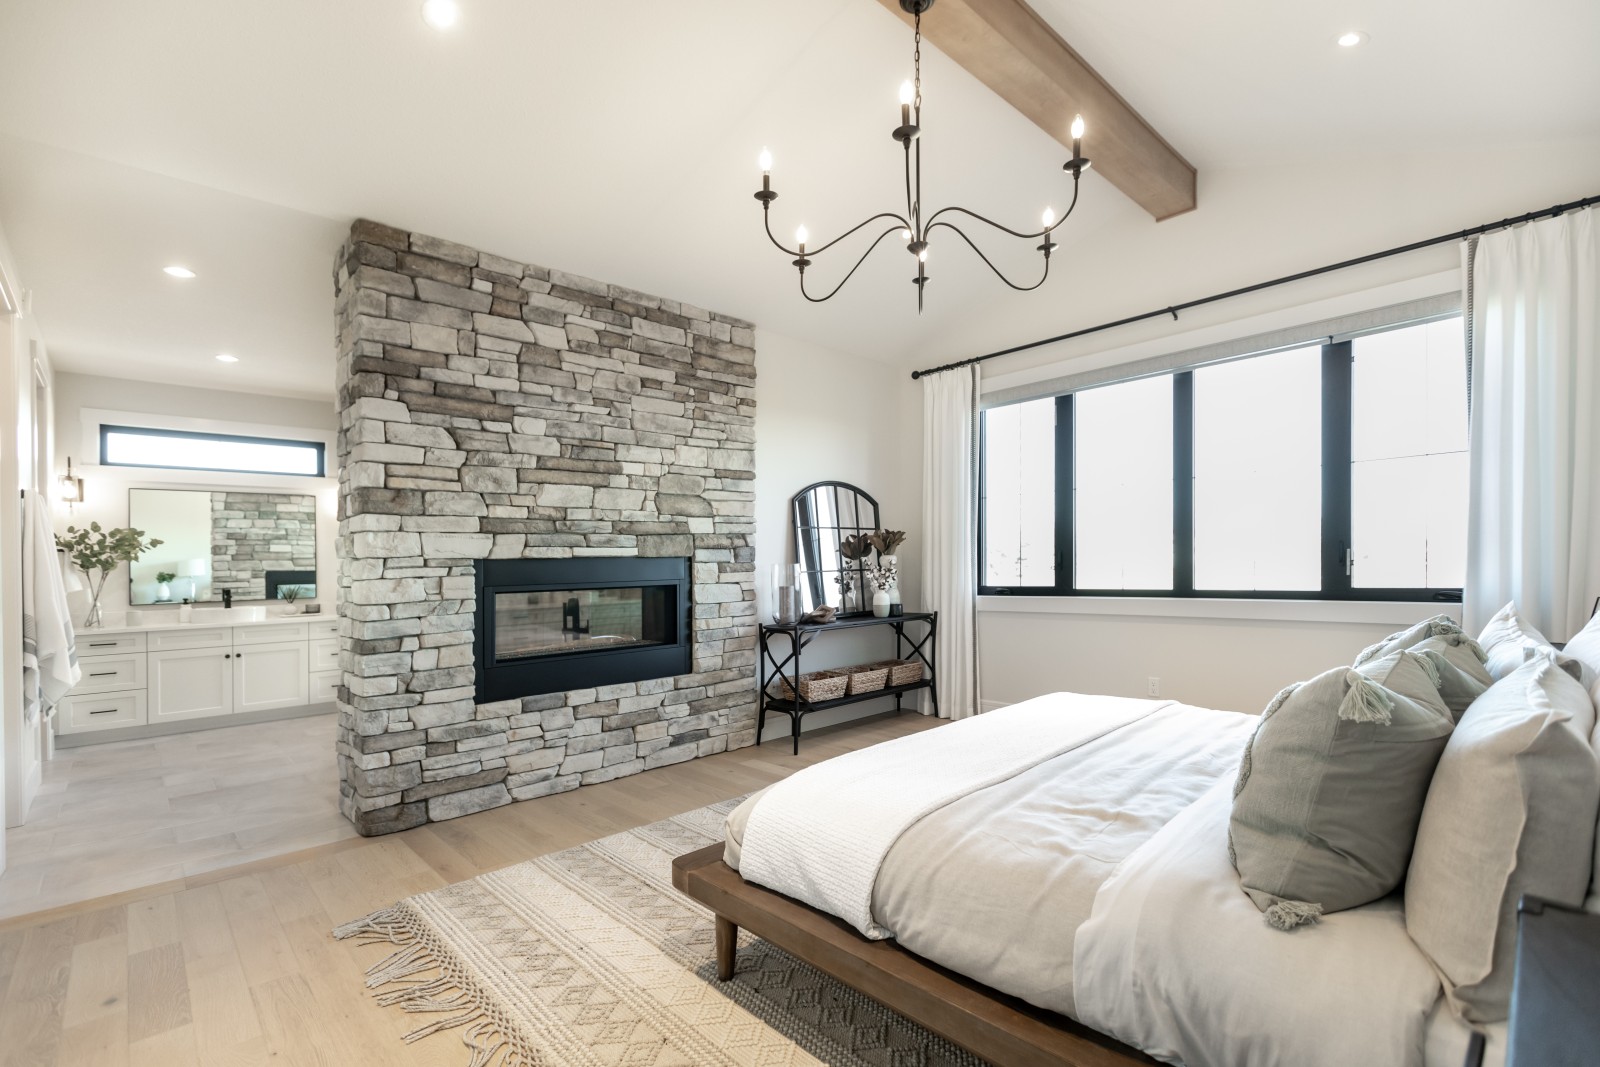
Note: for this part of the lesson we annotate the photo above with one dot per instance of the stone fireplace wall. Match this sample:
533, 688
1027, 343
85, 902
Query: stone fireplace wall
490, 408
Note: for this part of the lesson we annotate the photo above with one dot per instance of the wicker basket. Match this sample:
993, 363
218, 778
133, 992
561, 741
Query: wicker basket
904, 671
868, 678
818, 685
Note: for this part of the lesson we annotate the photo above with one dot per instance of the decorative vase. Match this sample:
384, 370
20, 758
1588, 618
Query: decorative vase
163, 593
894, 586
881, 603
785, 593
96, 616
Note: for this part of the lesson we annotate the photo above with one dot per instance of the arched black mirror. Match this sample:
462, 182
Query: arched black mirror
825, 515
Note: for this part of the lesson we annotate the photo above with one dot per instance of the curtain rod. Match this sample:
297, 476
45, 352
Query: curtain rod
1460, 235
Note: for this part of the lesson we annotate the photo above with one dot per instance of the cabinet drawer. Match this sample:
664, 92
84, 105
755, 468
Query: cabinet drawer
190, 637
324, 628
269, 635
93, 644
325, 654
106, 674
101, 712
324, 687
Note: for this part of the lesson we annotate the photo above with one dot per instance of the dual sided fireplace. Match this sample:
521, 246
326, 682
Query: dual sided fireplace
551, 625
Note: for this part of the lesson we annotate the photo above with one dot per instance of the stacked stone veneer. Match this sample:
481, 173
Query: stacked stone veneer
253, 533
490, 408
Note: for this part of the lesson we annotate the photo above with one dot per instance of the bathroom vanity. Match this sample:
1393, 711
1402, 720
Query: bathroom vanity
216, 667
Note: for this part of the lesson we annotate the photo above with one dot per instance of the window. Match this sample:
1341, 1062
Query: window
1334, 471
127, 446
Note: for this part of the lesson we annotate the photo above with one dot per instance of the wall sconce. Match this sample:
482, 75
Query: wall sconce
69, 489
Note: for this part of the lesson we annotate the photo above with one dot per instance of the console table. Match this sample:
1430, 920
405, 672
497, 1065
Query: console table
798, 635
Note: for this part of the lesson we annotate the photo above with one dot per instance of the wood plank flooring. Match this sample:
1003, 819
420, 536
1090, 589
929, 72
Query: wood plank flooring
237, 966
116, 817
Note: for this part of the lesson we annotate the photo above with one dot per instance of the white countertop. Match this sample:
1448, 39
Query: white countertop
143, 620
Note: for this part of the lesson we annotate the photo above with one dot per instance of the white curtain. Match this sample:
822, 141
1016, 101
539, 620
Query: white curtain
1534, 525
950, 533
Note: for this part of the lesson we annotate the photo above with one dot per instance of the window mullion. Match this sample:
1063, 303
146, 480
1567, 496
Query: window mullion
1337, 360
1183, 484
1066, 558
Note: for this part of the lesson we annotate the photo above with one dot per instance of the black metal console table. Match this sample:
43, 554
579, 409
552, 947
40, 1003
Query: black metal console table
800, 635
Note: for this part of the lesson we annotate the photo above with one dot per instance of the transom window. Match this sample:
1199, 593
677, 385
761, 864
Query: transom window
1334, 471
129, 446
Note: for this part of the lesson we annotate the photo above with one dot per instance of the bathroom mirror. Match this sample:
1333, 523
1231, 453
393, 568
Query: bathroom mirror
263, 546
824, 515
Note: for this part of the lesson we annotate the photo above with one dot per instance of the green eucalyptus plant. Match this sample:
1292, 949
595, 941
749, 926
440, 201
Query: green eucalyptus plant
97, 552
165, 576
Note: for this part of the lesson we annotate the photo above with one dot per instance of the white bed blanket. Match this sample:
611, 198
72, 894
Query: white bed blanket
821, 834
1176, 960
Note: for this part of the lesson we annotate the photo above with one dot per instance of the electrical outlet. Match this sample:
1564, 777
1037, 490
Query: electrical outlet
1155, 686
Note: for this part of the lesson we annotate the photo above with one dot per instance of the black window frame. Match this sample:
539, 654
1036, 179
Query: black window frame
106, 429
1338, 361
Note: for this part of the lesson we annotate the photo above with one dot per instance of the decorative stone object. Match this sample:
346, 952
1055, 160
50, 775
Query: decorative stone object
495, 409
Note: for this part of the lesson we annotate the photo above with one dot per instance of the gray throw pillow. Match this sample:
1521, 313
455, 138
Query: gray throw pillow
1509, 640
1331, 788
1438, 626
1458, 662
1511, 811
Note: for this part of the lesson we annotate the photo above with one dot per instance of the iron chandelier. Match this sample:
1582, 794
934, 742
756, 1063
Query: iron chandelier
913, 227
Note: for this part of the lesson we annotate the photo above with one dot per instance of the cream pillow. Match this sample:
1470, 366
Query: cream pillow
1438, 626
1509, 641
1585, 648
1458, 662
1331, 787
1511, 810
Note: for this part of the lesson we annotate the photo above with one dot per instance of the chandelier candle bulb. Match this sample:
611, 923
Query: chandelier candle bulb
1049, 218
1077, 137
800, 236
907, 94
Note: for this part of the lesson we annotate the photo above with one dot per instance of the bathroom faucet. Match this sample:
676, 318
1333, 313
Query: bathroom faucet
227, 598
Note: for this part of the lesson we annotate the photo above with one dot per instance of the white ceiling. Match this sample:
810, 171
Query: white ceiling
617, 138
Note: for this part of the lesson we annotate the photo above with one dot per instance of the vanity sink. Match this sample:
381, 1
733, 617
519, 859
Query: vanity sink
212, 616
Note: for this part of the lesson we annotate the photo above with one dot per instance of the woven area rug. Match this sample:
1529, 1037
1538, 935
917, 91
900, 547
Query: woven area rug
590, 957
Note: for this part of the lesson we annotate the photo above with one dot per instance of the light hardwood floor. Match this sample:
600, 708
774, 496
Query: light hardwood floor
115, 817
237, 966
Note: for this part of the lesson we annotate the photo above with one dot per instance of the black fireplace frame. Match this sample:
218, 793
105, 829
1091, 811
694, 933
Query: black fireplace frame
563, 672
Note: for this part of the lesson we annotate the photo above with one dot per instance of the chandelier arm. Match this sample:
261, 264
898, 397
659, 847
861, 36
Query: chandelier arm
864, 255
1015, 233
766, 219
997, 273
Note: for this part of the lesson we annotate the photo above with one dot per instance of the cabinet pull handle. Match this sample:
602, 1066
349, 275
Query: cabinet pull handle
226, 656
103, 711
102, 644
102, 674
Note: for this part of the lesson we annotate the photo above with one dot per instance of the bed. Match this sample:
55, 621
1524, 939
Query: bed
1109, 817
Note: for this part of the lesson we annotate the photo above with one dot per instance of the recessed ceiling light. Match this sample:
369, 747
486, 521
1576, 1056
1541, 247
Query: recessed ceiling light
178, 272
1351, 39
225, 358
440, 14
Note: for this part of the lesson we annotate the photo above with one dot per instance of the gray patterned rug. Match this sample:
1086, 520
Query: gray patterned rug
589, 957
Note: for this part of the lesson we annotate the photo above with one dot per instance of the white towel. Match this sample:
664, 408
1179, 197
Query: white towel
49, 648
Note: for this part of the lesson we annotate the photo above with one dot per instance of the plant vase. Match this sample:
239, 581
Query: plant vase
163, 593
881, 603
892, 564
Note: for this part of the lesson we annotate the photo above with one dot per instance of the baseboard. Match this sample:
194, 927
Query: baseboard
187, 726
992, 705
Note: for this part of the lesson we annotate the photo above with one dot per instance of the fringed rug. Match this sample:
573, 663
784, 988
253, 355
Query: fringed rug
590, 957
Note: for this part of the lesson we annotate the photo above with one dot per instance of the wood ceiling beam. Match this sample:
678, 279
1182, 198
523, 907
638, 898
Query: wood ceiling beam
1009, 48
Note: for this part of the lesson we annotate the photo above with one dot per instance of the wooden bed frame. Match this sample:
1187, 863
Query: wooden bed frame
995, 1027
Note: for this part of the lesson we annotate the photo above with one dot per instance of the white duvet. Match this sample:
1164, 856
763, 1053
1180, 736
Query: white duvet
1171, 956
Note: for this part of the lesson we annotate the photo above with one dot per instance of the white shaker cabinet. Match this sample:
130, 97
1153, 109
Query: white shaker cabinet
189, 683
269, 675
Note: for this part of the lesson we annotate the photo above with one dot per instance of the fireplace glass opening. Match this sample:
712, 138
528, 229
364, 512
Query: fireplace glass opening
559, 622
557, 625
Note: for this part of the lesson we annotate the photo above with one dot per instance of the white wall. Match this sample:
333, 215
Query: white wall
823, 416
106, 488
